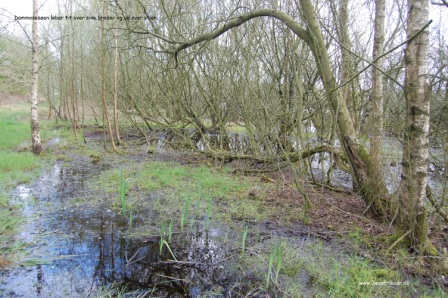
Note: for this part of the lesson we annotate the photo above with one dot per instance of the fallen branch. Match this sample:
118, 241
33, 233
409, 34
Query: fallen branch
278, 161
332, 188
398, 241
267, 179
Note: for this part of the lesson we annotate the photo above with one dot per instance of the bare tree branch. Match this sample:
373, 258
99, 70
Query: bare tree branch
441, 3
236, 22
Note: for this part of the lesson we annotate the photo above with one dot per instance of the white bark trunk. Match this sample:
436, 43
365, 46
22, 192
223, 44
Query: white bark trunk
35, 134
413, 213
376, 119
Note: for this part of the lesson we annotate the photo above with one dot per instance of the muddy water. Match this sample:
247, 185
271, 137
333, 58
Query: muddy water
81, 250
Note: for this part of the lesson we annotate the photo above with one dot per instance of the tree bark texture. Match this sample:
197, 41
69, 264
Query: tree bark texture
35, 133
103, 87
412, 196
117, 130
360, 162
376, 119
348, 92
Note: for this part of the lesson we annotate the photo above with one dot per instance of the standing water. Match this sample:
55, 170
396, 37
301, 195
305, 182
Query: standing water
80, 251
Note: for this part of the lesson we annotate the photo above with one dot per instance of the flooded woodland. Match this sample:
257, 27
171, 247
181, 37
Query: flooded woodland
166, 222
197, 148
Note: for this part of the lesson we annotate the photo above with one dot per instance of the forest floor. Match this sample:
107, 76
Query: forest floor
174, 223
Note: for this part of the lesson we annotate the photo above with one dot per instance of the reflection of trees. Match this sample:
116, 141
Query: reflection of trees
139, 266
89, 250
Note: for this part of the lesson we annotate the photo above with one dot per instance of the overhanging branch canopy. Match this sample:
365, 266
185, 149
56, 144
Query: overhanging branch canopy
236, 22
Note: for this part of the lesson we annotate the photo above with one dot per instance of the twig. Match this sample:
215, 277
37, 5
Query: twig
351, 214
398, 241
381, 56
267, 179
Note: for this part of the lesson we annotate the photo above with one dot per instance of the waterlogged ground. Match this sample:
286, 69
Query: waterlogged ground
182, 230
82, 245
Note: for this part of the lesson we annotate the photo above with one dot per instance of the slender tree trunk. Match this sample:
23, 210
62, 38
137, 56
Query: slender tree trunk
413, 220
376, 120
82, 87
62, 92
346, 64
35, 133
300, 93
103, 89
357, 155
72, 85
117, 131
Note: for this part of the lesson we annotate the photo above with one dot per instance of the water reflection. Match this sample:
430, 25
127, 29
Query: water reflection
85, 249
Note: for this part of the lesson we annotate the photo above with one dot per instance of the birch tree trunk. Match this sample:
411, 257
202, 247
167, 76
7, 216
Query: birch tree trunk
376, 119
413, 220
35, 134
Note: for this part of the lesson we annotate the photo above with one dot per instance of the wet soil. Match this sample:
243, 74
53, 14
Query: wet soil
80, 243
81, 246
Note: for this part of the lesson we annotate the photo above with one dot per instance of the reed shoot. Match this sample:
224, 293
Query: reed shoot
243, 244
170, 231
276, 256
123, 189
184, 217
209, 209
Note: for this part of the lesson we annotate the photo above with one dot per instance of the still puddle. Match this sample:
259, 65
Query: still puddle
79, 250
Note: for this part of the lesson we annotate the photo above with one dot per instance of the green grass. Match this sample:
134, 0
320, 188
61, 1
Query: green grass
123, 190
183, 186
14, 126
177, 188
200, 180
15, 168
316, 269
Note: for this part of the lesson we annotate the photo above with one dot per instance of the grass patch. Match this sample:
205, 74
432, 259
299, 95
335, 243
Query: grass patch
189, 181
186, 187
15, 168
190, 192
14, 126
315, 269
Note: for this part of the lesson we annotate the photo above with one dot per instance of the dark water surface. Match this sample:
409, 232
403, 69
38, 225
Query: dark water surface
84, 249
